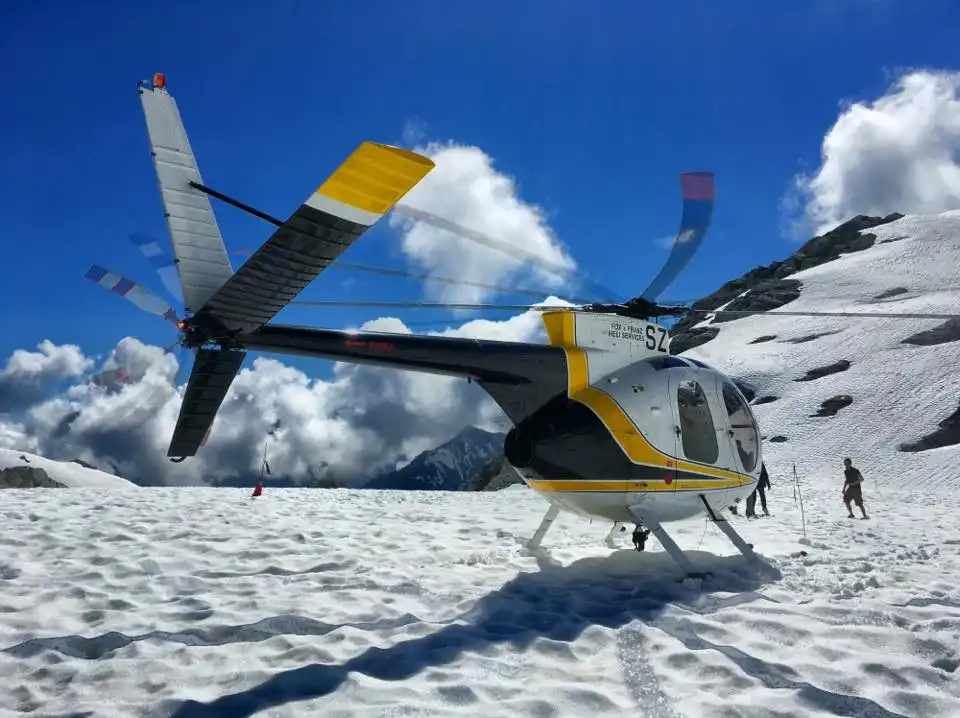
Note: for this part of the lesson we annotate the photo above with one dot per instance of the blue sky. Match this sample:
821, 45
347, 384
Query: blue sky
593, 107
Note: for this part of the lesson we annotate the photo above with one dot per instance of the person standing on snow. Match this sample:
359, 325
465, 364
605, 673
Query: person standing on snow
762, 485
852, 488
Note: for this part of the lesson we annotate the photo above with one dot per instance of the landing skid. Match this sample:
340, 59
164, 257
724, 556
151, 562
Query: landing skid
646, 526
677, 554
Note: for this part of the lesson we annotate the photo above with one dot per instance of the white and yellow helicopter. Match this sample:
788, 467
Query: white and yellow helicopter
607, 424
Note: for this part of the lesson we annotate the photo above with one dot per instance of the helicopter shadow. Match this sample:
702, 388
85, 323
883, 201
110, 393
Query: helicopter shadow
557, 602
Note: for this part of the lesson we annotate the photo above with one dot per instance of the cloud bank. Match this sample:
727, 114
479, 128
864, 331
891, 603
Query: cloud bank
898, 153
61, 403
363, 420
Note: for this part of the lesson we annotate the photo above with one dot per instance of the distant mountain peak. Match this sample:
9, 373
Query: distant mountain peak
449, 467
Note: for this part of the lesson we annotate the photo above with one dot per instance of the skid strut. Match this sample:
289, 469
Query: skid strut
742, 546
545, 524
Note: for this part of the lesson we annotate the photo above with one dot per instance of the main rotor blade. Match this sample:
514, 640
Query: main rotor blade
698, 190
505, 247
138, 295
448, 306
866, 315
431, 278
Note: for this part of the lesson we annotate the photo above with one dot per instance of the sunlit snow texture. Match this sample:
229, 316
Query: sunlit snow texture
207, 602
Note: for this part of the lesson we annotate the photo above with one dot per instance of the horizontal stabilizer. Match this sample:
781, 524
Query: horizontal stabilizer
138, 295
364, 188
213, 373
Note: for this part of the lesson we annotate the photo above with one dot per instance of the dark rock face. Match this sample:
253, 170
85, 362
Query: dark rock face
823, 371
767, 290
811, 337
895, 292
692, 338
762, 298
947, 435
765, 400
834, 404
495, 475
764, 338
27, 477
947, 332
778, 439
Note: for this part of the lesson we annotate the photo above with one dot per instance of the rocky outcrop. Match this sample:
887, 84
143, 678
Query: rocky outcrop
822, 371
690, 338
765, 400
834, 404
945, 333
890, 293
496, 474
947, 434
765, 296
810, 337
764, 338
778, 439
27, 477
768, 287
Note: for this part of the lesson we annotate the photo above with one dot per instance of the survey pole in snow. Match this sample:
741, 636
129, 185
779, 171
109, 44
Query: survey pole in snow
797, 491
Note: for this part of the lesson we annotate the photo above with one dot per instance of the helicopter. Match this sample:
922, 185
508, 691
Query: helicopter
607, 423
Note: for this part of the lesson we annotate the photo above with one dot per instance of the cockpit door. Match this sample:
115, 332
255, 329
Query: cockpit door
742, 431
694, 422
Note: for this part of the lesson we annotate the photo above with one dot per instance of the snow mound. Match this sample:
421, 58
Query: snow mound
180, 602
885, 392
66, 473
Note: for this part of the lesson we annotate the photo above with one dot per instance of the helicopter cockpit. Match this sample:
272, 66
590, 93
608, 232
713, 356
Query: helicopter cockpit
713, 424
743, 425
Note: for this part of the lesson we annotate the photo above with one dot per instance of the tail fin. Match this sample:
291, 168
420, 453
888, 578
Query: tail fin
597, 344
202, 260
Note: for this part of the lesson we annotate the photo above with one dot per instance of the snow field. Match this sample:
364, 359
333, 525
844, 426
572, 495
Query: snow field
186, 602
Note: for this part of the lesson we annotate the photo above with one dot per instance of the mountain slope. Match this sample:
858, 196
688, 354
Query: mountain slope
878, 385
70, 474
449, 467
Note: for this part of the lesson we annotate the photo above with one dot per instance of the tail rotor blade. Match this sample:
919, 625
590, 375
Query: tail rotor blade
139, 296
162, 262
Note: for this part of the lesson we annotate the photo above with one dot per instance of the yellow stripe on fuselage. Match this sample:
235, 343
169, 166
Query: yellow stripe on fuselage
562, 332
631, 485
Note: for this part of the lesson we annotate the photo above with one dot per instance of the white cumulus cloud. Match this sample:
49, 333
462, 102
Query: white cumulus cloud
466, 189
363, 420
898, 153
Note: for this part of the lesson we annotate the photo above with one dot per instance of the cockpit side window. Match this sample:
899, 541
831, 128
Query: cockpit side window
745, 434
697, 431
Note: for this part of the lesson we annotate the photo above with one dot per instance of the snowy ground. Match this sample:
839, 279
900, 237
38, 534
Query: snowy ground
202, 602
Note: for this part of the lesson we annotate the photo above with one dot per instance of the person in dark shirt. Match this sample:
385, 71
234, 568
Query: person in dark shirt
762, 484
853, 488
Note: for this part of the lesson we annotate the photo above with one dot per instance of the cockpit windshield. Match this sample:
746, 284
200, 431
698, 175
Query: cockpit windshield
745, 433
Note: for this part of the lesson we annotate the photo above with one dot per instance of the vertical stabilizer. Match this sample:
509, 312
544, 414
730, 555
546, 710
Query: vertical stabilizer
202, 260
